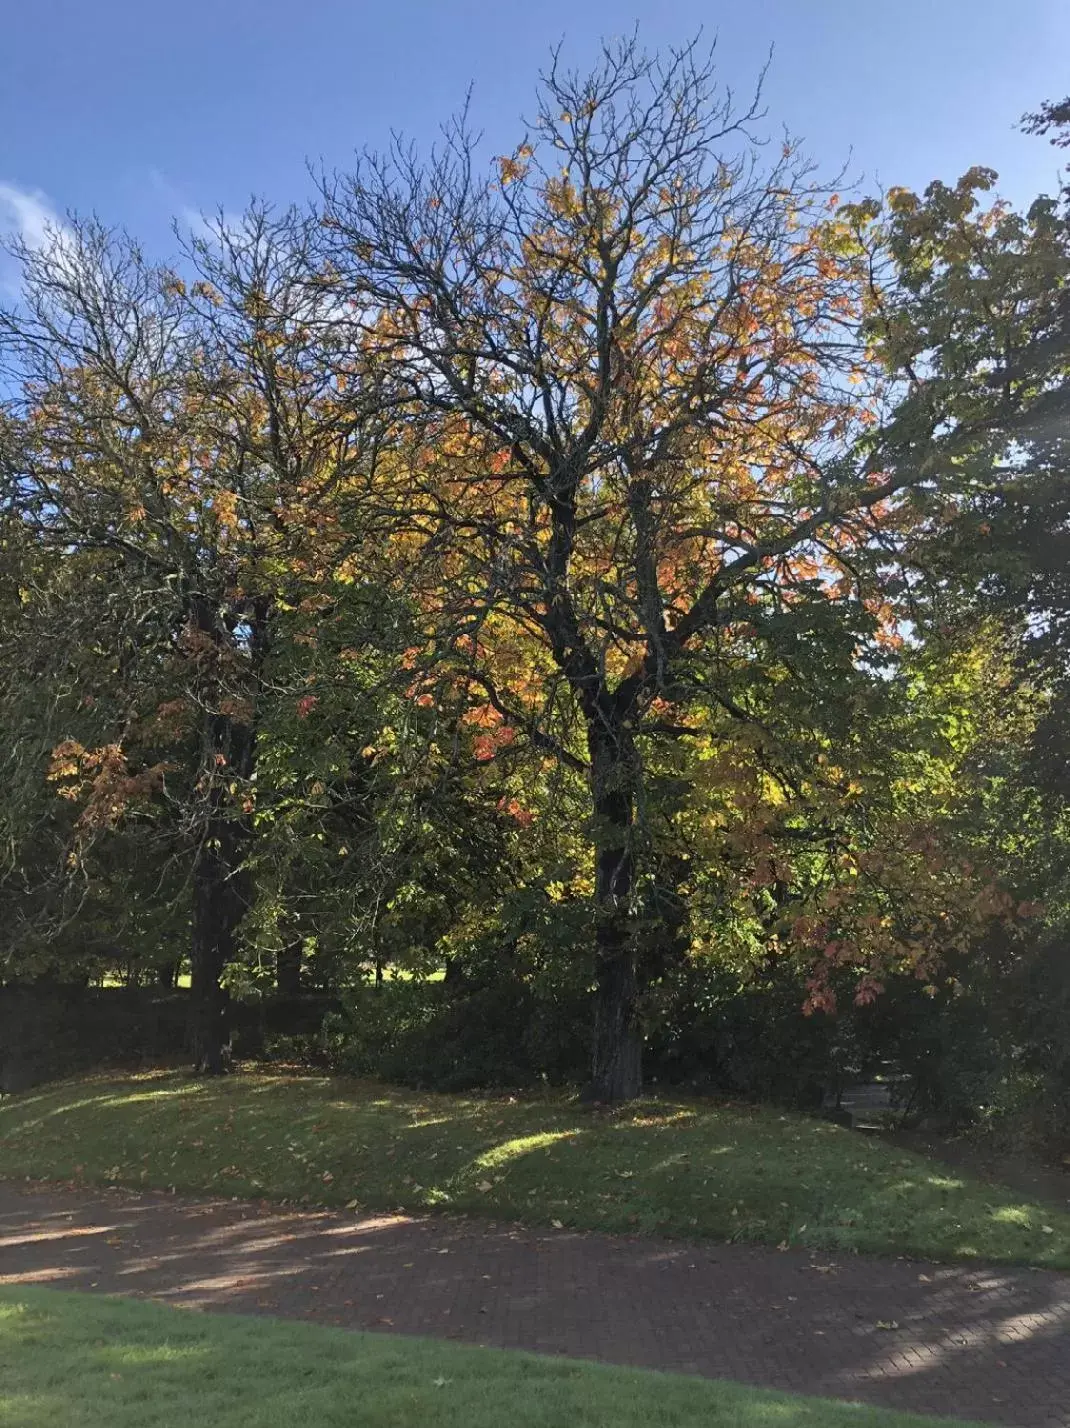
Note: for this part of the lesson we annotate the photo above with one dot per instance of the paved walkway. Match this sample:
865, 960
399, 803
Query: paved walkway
978, 1343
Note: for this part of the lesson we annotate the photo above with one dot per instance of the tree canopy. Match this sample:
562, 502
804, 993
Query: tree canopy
586, 568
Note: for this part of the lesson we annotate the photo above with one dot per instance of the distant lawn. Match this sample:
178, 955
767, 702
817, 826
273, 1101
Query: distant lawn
681, 1168
78, 1361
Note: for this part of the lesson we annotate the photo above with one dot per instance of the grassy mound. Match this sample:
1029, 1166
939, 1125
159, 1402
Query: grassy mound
680, 1168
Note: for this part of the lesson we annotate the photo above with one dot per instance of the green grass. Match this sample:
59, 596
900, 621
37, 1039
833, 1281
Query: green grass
88, 1362
668, 1167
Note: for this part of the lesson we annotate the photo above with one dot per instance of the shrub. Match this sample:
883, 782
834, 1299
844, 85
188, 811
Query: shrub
454, 1037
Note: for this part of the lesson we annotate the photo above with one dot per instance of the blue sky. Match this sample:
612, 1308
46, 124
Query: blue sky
141, 111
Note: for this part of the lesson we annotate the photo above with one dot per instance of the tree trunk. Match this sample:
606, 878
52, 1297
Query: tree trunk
616, 1073
220, 900
221, 885
288, 969
218, 907
167, 976
207, 1006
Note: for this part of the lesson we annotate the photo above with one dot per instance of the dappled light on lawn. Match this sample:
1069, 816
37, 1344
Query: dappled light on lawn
509, 1150
686, 1169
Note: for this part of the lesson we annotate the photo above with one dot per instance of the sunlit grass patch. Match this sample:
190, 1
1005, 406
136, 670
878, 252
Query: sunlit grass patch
508, 1150
672, 1167
1021, 1216
80, 1361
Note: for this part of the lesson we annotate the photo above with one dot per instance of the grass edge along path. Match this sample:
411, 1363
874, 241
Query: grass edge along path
671, 1167
94, 1362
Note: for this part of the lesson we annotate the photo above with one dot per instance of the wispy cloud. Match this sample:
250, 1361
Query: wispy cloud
210, 225
193, 220
29, 214
200, 224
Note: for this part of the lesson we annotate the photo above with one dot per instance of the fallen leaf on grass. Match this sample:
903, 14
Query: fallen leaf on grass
887, 1324
557, 1224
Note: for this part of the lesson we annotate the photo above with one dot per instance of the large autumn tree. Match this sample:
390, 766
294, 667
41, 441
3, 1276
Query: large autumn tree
643, 443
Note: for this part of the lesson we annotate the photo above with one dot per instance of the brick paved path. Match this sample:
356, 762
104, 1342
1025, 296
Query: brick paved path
979, 1343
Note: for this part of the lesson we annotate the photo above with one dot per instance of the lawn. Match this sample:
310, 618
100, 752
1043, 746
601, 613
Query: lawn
683, 1168
89, 1362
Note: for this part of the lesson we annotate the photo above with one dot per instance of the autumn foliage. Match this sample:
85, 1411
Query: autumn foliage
565, 525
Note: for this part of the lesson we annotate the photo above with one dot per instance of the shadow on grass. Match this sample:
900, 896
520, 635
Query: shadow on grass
908, 1336
735, 1173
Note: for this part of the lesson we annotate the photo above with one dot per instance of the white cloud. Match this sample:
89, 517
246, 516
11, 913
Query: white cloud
200, 224
195, 221
28, 213
210, 225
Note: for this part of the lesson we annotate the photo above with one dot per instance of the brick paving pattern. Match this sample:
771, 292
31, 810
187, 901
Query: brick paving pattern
986, 1343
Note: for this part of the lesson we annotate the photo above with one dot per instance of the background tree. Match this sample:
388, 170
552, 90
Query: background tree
978, 308
180, 439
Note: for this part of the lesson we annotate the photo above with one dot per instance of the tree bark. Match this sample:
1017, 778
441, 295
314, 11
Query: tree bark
208, 1032
220, 901
288, 969
616, 1073
167, 976
221, 884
